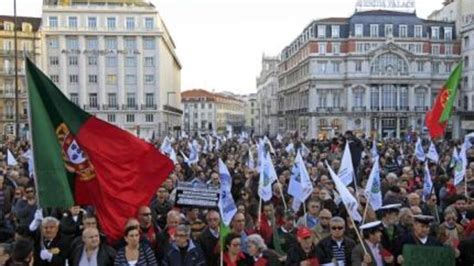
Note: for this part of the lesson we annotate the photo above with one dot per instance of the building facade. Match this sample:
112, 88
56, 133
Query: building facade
252, 113
206, 111
267, 96
376, 72
28, 45
115, 59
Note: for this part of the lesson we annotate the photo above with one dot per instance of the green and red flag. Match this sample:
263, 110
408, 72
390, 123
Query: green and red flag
437, 118
82, 160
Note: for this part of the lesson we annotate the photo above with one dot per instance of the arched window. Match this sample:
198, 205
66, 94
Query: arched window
389, 64
323, 122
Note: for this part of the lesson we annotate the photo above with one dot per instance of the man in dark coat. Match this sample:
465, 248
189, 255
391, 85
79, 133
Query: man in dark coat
305, 251
183, 251
92, 250
390, 232
208, 241
356, 147
419, 236
165, 237
336, 247
71, 222
53, 248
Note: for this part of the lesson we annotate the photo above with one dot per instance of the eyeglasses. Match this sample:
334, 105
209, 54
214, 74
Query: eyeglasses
145, 214
314, 206
337, 228
324, 218
235, 244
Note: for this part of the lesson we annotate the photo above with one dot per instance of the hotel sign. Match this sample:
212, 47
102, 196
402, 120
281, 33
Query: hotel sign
394, 5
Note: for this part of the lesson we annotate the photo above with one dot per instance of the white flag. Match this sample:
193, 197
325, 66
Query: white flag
290, 148
173, 156
184, 135
419, 152
193, 155
227, 206
265, 182
260, 154
29, 155
460, 163
266, 140
374, 151
251, 161
205, 149
11, 159
346, 170
347, 198
211, 146
373, 188
304, 150
279, 138
300, 186
271, 168
166, 145
432, 153
427, 183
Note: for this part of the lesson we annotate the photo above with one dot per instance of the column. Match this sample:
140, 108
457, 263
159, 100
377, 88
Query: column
367, 98
380, 96
398, 127
379, 129
349, 99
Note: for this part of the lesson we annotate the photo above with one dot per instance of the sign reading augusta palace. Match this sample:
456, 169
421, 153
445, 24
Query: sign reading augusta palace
395, 5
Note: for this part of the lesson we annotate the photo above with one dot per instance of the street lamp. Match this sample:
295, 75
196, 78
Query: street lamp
168, 93
17, 108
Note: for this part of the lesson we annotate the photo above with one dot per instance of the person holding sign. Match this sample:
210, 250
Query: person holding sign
377, 255
419, 236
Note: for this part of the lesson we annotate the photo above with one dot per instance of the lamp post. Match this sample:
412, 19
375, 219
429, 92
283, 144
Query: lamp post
17, 108
168, 93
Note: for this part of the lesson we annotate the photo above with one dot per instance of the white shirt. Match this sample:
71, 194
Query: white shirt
375, 250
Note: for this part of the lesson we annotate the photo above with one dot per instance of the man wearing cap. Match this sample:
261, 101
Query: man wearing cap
419, 236
335, 248
377, 256
304, 253
390, 232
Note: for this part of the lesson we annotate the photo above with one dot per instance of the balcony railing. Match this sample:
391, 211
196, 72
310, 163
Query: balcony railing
404, 108
421, 108
91, 107
359, 109
110, 107
148, 106
129, 107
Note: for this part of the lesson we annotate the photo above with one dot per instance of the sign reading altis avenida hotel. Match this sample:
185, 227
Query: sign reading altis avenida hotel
396, 5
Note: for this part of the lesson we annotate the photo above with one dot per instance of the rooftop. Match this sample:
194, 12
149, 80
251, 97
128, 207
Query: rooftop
35, 22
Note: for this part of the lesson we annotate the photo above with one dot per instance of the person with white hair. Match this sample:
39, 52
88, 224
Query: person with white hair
259, 251
50, 247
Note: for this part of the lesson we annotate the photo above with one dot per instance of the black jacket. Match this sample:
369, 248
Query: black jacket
105, 256
296, 255
70, 227
59, 246
208, 244
324, 250
410, 239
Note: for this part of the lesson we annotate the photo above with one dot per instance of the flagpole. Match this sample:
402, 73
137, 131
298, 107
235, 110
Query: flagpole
465, 187
365, 211
282, 195
305, 217
259, 213
356, 231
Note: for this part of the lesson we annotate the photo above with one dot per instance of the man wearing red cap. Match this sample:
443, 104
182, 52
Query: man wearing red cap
304, 253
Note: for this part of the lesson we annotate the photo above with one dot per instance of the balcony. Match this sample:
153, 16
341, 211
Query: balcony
129, 107
359, 109
389, 108
148, 107
91, 107
404, 108
421, 108
106, 107
8, 94
8, 117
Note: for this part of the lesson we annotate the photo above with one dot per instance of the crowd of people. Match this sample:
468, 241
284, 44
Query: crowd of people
320, 232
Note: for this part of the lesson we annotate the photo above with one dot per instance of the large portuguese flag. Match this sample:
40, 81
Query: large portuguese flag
81, 160
437, 118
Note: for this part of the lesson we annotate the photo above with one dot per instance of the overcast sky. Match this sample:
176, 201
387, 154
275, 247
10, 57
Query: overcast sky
220, 42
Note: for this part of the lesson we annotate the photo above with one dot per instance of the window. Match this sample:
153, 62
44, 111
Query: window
149, 118
389, 64
336, 48
149, 43
130, 79
72, 43
418, 48
130, 43
403, 96
92, 61
435, 67
130, 118
336, 67
435, 49
131, 99
448, 33
111, 23
336, 99
403, 31
149, 23
448, 67
74, 98
73, 60
466, 42
149, 61
435, 33
55, 78
8, 26
418, 31
359, 30
53, 42
92, 99
111, 61
92, 43
130, 23
388, 30
149, 99
54, 60
374, 30
92, 22
72, 22
420, 97
448, 49
130, 61
111, 118
53, 21
322, 48
111, 43
358, 97
389, 96
420, 66
111, 79
112, 99
92, 78
73, 79
322, 31
358, 66
335, 30
322, 66
466, 62
149, 79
